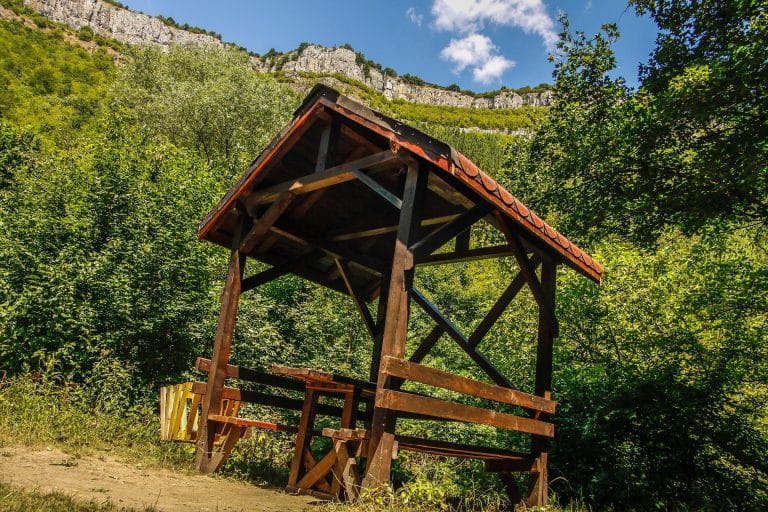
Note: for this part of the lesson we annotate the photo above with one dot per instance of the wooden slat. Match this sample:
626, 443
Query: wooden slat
512, 466
316, 181
389, 229
406, 402
251, 423
445, 380
251, 375
450, 449
499, 251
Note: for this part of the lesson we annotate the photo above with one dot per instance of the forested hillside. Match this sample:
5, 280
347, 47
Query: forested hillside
661, 372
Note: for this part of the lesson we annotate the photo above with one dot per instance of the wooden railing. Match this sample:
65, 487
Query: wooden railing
411, 403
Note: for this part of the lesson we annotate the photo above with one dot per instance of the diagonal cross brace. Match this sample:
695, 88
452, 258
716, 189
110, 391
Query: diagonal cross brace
463, 342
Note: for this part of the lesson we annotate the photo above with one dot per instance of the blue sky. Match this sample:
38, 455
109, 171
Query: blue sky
478, 44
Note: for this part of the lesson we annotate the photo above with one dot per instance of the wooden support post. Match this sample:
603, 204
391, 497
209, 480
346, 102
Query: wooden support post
380, 317
538, 484
304, 436
222, 346
382, 445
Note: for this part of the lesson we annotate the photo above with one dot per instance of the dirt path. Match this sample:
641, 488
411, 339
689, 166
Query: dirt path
104, 478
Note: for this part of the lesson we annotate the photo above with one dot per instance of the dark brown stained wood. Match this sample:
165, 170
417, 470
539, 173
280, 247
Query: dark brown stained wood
365, 262
450, 449
317, 472
389, 229
499, 251
444, 234
357, 297
346, 434
463, 342
499, 307
526, 268
441, 379
379, 189
382, 447
250, 423
319, 180
427, 343
512, 466
273, 273
261, 226
310, 462
277, 148
381, 312
407, 402
462, 240
251, 375
538, 483
218, 458
308, 411
222, 347
271, 400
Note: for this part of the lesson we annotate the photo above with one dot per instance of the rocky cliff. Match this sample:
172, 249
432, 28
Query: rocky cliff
137, 28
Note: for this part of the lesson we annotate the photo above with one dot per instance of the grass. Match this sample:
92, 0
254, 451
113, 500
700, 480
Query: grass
39, 414
14, 499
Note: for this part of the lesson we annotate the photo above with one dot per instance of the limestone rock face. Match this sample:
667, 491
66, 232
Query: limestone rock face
136, 28
121, 24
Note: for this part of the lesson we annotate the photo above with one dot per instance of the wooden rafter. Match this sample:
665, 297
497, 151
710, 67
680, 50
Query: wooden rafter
461, 256
443, 234
261, 227
319, 180
389, 229
357, 297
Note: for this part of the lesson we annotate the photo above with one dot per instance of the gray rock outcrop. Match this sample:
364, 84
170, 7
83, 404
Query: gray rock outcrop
136, 28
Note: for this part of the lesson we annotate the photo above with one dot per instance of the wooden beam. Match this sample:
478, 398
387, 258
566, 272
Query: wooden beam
516, 244
357, 298
427, 343
273, 273
365, 262
463, 342
462, 240
319, 180
382, 446
443, 234
500, 306
222, 347
538, 483
256, 376
261, 226
378, 189
389, 229
406, 402
512, 466
499, 251
445, 380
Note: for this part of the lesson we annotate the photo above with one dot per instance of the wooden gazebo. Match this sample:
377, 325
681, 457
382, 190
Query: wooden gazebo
355, 201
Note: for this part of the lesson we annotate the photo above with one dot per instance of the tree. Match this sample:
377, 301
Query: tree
206, 98
686, 149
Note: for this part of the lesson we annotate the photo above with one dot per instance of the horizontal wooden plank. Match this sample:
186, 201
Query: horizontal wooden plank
399, 401
251, 375
512, 466
281, 402
482, 253
445, 380
389, 229
251, 423
450, 449
315, 181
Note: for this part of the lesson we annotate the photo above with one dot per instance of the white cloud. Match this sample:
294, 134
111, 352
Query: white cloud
414, 16
478, 52
470, 16
492, 69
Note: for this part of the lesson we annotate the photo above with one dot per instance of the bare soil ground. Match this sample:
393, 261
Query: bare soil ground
105, 478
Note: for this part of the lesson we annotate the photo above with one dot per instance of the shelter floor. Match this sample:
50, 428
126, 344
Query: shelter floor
104, 478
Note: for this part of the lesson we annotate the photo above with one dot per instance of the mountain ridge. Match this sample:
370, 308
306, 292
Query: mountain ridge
113, 20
